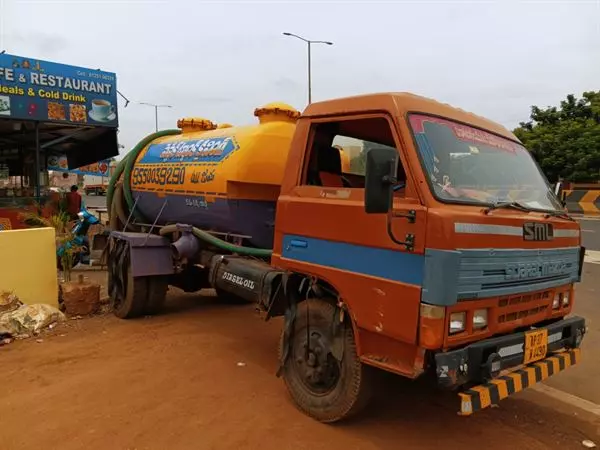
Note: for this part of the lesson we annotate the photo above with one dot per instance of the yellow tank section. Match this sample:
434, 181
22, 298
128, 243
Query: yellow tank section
211, 161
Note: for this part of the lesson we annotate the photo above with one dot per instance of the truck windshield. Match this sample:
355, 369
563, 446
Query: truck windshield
468, 165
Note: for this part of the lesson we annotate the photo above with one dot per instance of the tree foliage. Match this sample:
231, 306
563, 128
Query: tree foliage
565, 140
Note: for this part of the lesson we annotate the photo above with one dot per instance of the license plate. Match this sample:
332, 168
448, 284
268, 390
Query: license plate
536, 345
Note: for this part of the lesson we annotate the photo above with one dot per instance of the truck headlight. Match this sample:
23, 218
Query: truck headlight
558, 297
566, 299
457, 322
480, 319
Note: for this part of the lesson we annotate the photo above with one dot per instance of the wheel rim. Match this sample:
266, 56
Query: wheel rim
316, 367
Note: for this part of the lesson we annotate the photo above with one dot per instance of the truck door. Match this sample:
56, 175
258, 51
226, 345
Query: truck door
323, 230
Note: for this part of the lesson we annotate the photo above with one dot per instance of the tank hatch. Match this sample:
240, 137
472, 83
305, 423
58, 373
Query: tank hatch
276, 112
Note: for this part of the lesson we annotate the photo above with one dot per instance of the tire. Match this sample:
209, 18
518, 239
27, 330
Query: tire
134, 303
157, 294
344, 387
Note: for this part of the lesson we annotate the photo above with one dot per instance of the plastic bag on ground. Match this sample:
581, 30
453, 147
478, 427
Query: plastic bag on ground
30, 319
8, 302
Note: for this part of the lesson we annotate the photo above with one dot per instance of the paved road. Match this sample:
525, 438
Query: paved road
581, 380
590, 233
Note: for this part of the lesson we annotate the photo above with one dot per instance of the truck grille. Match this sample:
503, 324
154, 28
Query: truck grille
518, 307
484, 273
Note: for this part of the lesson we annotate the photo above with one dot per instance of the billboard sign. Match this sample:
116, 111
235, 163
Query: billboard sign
33, 89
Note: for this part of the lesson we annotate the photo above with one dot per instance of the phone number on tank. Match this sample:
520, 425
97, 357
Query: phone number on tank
158, 175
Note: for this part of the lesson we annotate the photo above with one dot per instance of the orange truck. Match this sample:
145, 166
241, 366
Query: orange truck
95, 184
445, 253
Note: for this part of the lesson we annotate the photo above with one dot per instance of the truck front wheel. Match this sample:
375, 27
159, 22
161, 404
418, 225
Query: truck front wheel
321, 386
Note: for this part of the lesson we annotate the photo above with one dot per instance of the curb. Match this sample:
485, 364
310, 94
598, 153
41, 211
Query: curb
569, 399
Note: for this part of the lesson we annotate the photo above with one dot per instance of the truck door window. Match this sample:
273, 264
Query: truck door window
338, 152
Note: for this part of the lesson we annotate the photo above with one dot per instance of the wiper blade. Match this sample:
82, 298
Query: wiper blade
514, 205
561, 214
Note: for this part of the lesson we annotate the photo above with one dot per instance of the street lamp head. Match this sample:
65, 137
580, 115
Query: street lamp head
154, 105
295, 36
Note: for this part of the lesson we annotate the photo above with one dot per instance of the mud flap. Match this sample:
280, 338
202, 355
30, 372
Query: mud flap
118, 261
290, 292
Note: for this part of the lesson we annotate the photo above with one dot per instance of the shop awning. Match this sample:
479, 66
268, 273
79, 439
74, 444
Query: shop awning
81, 145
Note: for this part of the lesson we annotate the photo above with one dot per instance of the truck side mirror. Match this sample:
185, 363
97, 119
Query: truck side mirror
558, 188
558, 191
382, 164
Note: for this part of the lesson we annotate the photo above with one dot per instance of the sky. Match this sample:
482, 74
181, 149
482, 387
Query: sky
221, 59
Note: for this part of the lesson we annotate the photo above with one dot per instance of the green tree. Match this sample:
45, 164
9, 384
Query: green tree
565, 140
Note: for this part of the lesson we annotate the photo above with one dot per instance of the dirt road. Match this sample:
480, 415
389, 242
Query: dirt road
202, 377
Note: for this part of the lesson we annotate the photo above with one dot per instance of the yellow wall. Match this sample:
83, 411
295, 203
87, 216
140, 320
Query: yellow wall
28, 265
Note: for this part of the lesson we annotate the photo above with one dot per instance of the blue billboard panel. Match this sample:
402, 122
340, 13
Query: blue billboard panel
32, 89
207, 150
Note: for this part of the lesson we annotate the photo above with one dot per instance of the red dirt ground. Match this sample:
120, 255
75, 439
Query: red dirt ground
173, 382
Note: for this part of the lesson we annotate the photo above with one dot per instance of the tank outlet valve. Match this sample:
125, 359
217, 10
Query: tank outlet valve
187, 246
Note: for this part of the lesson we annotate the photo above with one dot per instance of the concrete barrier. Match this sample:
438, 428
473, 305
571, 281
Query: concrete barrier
582, 201
28, 265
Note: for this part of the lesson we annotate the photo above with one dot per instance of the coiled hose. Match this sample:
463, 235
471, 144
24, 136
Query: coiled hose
119, 210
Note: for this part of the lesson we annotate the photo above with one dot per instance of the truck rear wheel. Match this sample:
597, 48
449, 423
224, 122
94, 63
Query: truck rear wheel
131, 303
131, 296
322, 387
157, 293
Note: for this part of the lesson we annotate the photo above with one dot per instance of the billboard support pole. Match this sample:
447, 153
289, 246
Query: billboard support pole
37, 161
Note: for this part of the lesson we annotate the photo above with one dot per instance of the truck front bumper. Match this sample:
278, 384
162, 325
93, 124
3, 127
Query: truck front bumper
489, 363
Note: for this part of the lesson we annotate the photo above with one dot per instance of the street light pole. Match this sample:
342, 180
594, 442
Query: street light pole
309, 76
309, 43
155, 111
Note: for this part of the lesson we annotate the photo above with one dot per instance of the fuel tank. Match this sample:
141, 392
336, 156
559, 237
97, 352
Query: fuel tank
222, 178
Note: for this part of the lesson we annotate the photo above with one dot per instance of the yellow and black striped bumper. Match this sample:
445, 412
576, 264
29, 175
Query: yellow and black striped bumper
485, 395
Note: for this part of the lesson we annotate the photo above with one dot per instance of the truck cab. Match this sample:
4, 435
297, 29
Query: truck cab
407, 235
446, 246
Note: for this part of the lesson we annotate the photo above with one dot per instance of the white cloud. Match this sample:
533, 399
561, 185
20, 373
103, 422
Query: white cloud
220, 60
